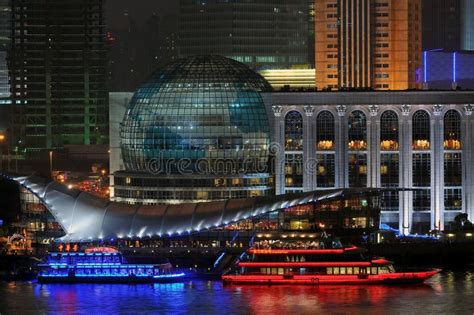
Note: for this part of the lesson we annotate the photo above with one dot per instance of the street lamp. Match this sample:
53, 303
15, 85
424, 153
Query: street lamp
51, 163
2, 141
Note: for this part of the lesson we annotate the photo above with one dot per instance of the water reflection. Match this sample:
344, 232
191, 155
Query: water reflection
448, 291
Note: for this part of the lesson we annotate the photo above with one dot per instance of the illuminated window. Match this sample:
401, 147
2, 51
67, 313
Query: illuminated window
452, 130
421, 130
389, 131
325, 134
357, 131
294, 131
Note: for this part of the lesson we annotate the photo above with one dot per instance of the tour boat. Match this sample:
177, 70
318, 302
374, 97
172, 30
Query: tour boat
318, 265
103, 265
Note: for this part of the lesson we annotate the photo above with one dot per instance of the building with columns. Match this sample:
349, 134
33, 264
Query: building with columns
418, 140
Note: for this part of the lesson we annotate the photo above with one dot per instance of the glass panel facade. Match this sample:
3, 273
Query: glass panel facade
326, 171
357, 131
294, 131
357, 136
422, 200
201, 108
452, 130
357, 170
294, 170
389, 170
421, 170
325, 135
389, 131
421, 130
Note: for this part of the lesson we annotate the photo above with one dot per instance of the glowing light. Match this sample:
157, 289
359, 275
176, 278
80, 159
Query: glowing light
454, 67
425, 63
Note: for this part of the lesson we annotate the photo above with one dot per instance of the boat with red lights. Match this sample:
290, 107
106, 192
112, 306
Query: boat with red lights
103, 265
318, 262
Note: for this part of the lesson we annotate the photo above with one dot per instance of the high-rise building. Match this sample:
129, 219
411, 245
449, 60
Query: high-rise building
136, 51
467, 25
448, 25
57, 65
260, 33
368, 44
442, 24
5, 35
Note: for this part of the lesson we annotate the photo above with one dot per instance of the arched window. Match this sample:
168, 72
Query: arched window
452, 130
389, 131
294, 131
357, 131
421, 130
325, 135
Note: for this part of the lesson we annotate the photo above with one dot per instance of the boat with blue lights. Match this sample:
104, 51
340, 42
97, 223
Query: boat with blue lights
103, 265
317, 262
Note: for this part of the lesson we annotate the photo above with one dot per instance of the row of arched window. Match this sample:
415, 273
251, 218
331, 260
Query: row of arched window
357, 131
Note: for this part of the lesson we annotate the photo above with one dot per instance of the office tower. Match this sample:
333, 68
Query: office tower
5, 35
448, 25
260, 33
442, 24
368, 44
57, 66
467, 25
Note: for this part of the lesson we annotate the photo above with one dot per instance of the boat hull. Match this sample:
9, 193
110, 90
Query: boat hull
385, 279
123, 280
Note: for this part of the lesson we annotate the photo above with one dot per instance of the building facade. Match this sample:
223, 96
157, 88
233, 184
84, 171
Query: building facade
415, 140
196, 131
58, 71
446, 70
448, 25
262, 34
368, 44
5, 34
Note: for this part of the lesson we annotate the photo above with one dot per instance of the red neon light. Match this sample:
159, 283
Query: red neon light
306, 264
331, 279
102, 249
300, 251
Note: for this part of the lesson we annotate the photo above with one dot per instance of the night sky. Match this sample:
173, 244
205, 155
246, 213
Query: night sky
139, 10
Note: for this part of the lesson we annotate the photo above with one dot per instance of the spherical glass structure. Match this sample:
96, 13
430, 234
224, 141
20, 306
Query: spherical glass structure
200, 113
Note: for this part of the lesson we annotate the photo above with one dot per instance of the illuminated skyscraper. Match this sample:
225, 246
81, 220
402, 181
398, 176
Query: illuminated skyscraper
368, 44
5, 35
57, 65
260, 33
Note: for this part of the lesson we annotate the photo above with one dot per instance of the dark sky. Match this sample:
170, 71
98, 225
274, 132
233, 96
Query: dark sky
139, 10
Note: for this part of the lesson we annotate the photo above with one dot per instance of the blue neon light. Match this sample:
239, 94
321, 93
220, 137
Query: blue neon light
454, 67
218, 260
175, 275
425, 62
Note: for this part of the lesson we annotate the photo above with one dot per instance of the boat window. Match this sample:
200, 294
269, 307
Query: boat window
391, 269
274, 271
356, 270
329, 271
363, 271
349, 270
281, 271
336, 270
373, 270
343, 270
383, 270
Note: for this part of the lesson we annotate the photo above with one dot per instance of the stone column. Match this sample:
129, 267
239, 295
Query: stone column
406, 166
278, 148
467, 141
309, 132
437, 169
341, 147
373, 156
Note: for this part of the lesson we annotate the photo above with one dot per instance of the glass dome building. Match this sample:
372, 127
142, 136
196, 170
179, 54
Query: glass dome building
197, 130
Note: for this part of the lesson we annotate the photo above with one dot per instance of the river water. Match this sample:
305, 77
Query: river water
449, 292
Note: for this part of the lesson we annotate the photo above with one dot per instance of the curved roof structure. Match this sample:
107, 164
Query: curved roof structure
85, 217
